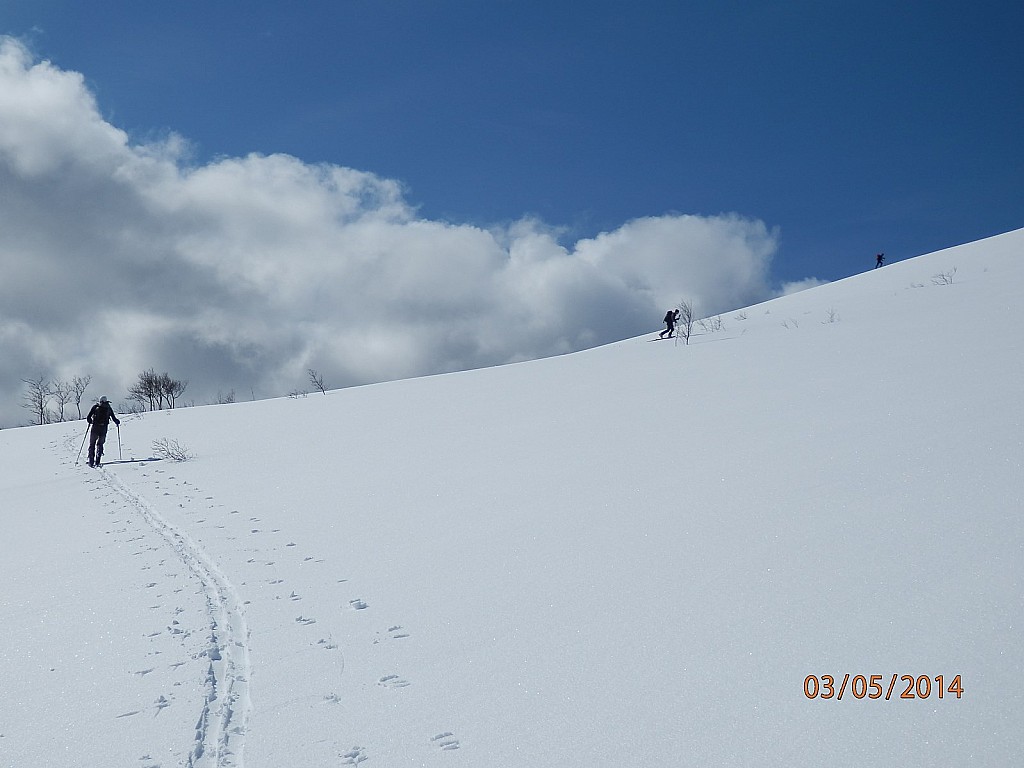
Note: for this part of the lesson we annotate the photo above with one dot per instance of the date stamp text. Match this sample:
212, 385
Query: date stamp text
892, 687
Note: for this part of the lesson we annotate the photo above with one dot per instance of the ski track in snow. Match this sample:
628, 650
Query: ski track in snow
225, 715
223, 720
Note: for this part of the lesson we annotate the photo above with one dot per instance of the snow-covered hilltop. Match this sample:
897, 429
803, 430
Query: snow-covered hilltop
646, 554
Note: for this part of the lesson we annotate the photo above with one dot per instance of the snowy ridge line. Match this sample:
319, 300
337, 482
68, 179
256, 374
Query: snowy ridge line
223, 721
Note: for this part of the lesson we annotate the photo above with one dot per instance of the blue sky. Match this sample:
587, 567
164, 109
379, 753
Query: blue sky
236, 192
852, 127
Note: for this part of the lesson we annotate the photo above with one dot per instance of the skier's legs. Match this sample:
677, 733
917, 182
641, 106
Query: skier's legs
93, 434
99, 436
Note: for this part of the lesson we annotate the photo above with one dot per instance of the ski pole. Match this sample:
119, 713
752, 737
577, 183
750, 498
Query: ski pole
120, 455
83, 444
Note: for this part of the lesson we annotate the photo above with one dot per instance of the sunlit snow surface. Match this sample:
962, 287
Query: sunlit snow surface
631, 556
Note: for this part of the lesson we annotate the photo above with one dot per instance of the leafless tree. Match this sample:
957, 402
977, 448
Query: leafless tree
63, 393
157, 390
37, 398
223, 399
172, 389
144, 390
317, 380
78, 385
684, 326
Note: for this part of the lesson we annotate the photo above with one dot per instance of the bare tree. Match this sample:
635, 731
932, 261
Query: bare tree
63, 393
144, 391
78, 385
223, 399
684, 326
317, 380
37, 398
171, 389
157, 390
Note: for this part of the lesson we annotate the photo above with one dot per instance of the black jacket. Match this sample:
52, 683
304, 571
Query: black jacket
101, 414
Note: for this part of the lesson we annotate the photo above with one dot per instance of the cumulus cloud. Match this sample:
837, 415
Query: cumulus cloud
800, 285
243, 272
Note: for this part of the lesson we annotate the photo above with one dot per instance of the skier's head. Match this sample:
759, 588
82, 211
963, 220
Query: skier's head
104, 399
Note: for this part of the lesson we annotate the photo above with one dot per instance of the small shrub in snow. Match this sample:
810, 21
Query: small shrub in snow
223, 399
944, 278
711, 324
317, 380
684, 326
171, 449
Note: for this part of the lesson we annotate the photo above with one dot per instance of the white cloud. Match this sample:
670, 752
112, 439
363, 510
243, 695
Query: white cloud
800, 285
241, 273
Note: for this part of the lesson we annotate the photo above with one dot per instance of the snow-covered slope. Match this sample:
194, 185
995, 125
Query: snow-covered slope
630, 556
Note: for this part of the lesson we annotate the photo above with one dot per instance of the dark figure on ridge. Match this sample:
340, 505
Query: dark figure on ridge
671, 318
99, 417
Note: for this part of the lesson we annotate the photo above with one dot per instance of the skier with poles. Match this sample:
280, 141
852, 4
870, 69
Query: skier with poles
671, 318
99, 417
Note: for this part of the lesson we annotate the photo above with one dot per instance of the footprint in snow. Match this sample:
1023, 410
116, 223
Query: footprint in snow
393, 681
446, 741
354, 756
358, 605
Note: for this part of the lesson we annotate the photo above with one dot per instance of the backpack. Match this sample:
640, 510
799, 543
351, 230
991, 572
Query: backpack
101, 413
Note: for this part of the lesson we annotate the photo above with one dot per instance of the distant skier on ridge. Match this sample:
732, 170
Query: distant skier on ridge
671, 318
879, 259
99, 416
